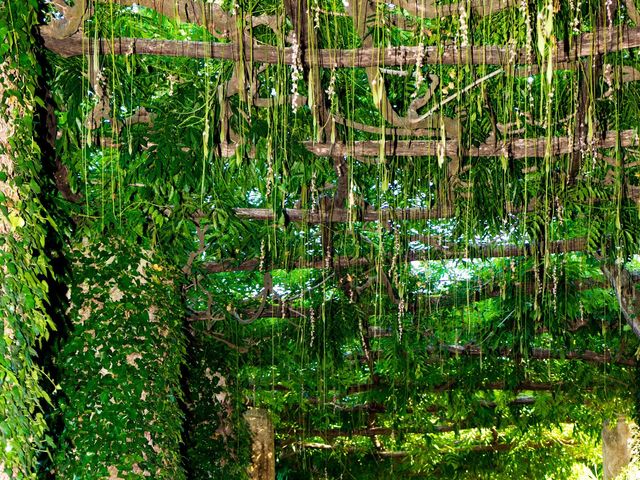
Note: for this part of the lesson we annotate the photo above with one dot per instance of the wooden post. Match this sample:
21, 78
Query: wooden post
616, 449
263, 461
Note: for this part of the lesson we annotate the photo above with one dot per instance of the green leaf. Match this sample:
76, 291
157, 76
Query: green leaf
16, 221
29, 302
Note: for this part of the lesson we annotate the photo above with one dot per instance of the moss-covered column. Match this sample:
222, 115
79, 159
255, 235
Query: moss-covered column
24, 266
120, 366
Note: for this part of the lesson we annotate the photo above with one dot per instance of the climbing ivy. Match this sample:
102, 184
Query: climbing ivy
119, 367
24, 262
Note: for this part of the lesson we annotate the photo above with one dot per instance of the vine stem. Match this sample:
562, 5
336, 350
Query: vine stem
463, 91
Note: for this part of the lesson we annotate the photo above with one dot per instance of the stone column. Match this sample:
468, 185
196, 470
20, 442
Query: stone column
119, 365
263, 460
616, 448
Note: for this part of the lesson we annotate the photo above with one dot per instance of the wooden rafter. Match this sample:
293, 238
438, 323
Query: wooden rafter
488, 448
224, 24
287, 311
332, 433
379, 408
586, 45
534, 354
509, 354
524, 386
453, 384
515, 148
490, 251
430, 9
338, 215
254, 264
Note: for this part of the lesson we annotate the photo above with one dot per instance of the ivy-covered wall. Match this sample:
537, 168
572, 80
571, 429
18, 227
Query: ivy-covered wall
24, 265
119, 368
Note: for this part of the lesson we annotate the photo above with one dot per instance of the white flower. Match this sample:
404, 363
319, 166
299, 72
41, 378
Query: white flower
295, 73
332, 82
464, 28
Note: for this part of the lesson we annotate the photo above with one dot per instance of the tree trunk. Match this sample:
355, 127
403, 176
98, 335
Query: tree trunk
24, 266
616, 449
263, 450
120, 366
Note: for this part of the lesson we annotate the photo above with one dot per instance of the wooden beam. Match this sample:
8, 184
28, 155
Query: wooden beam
534, 354
429, 8
510, 353
372, 431
494, 290
340, 263
332, 433
588, 44
253, 264
487, 448
223, 24
269, 311
452, 385
376, 407
515, 149
438, 301
341, 215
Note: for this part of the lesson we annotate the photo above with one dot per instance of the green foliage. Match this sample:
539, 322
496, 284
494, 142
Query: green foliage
25, 223
322, 369
217, 438
449, 456
119, 367
318, 383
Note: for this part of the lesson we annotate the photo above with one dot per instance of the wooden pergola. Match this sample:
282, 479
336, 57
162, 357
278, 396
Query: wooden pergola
424, 130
